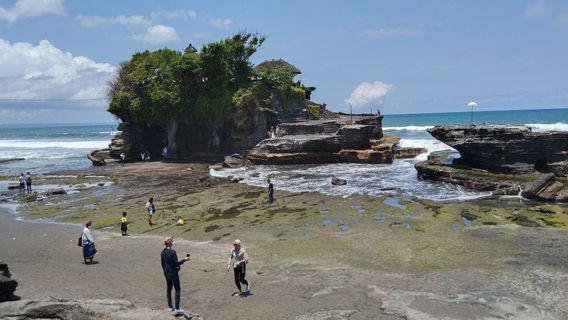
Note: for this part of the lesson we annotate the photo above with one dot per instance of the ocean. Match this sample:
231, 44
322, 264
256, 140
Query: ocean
52, 148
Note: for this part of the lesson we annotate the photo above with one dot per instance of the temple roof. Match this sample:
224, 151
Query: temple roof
275, 64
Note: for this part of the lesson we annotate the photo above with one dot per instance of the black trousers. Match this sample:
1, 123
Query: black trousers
172, 280
240, 273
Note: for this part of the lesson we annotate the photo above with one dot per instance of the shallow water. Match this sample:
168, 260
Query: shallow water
394, 202
397, 179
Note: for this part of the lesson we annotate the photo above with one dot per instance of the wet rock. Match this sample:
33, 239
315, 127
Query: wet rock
11, 159
7, 285
236, 179
468, 178
523, 220
327, 142
338, 182
544, 187
58, 191
406, 153
465, 213
445, 157
506, 148
30, 197
532, 189
543, 209
234, 161
96, 159
13, 186
562, 195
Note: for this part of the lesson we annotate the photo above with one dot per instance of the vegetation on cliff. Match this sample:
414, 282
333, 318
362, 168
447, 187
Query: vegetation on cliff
156, 86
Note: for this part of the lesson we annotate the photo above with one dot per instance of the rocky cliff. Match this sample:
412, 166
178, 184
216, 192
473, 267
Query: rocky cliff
507, 149
340, 140
504, 159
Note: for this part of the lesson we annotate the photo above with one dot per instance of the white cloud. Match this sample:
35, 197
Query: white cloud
390, 32
96, 21
537, 10
175, 14
366, 94
31, 8
158, 34
221, 23
44, 72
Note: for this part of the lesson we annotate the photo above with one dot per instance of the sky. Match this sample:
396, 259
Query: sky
406, 56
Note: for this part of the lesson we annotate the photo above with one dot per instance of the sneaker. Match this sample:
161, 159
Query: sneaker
178, 311
236, 294
170, 309
248, 287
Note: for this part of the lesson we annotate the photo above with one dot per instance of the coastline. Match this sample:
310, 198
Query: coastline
312, 254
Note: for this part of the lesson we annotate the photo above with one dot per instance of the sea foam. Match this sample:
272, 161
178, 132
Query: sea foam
396, 179
43, 144
559, 126
408, 128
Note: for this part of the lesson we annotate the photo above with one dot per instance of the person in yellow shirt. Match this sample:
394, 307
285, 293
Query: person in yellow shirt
124, 223
180, 221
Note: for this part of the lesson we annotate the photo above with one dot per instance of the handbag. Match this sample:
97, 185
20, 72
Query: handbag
80, 242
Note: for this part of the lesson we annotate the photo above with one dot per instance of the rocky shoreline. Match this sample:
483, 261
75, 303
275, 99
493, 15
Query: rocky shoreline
507, 160
409, 257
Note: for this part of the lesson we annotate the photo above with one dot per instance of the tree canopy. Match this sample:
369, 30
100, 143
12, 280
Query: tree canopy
160, 85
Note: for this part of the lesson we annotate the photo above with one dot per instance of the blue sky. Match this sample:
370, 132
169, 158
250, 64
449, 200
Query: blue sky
402, 56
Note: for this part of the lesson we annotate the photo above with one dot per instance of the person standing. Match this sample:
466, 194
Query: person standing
88, 243
124, 223
171, 266
122, 158
270, 192
238, 261
22, 182
28, 182
151, 209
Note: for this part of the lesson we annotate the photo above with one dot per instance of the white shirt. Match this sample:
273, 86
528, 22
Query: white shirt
87, 237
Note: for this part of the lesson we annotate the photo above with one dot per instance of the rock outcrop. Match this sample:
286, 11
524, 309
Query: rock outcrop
7, 285
97, 157
341, 140
11, 159
338, 182
536, 186
506, 148
102, 309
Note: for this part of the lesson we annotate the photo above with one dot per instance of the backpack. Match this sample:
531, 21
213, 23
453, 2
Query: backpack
80, 242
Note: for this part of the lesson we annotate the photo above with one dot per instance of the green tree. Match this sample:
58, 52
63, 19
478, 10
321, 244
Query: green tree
157, 86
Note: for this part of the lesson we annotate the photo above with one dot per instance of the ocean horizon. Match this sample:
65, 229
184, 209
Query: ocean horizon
53, 147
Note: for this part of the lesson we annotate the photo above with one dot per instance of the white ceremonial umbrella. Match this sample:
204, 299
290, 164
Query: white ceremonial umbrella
472, 104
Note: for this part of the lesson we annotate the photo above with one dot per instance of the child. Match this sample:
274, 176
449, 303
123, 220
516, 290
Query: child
124, 223
151, 210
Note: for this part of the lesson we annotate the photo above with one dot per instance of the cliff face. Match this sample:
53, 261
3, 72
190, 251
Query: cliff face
329, 141
507, 149
239, 129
